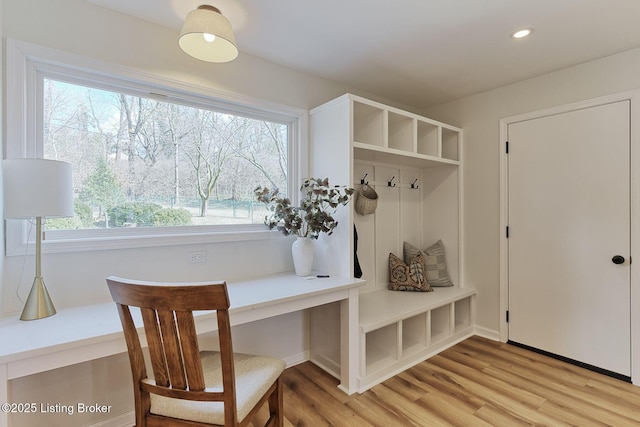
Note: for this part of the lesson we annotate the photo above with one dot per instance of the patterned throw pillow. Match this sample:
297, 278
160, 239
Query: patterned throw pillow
407, 276
435, 263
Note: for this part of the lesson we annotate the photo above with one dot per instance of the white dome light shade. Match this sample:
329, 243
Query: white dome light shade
208, 36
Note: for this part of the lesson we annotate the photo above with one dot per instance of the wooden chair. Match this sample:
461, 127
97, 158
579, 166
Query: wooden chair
192, 388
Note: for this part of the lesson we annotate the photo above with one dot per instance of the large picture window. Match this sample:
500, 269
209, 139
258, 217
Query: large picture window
155, 161
142, 162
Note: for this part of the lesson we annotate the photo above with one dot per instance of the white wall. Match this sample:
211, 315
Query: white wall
81, 28
479, 116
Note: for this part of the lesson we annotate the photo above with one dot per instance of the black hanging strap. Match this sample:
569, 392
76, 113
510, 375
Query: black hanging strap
357, 271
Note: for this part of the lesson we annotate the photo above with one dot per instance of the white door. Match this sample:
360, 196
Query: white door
569, 203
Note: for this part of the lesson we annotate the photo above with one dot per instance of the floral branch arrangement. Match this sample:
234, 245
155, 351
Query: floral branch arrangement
315, 213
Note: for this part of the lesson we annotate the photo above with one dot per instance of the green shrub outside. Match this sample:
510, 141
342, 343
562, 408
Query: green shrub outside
171, 216
146, 214
138, 214
83, 218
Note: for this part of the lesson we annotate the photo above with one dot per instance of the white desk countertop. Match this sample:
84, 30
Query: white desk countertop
86, 325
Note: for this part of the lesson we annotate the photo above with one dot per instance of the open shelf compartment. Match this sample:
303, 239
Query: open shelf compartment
450, 144
368, 124
427, 139
414, 334
381, 348
440, 323
462, 314
401, 132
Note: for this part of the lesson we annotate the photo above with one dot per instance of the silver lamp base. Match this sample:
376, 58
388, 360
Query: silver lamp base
39, 304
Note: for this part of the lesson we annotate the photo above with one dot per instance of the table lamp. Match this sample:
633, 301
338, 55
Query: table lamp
37, 188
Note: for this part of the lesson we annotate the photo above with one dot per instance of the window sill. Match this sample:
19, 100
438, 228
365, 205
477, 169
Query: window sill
145, 241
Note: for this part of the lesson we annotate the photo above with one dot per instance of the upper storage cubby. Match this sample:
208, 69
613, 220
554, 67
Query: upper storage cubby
450, 144
368, 124
394, 132
401, 134
428, 136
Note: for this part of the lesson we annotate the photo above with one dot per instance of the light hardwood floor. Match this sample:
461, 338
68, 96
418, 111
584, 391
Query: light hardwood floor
478, 382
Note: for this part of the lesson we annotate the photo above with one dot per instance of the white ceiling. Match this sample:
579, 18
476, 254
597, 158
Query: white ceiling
416, 52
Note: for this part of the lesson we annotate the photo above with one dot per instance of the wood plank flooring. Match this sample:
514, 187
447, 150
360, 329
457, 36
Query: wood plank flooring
478, 382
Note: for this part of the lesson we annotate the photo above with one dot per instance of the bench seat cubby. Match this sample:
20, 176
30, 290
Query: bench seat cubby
400, 329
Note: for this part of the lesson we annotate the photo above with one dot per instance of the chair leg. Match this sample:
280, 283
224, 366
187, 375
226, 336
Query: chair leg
276, 406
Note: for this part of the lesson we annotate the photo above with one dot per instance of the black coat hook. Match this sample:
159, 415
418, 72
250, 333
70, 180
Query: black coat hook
413, 185
363, 180
390, 183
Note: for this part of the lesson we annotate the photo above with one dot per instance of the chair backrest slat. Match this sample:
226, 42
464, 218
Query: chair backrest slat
172, 349
226, 359
190, 350
156, 351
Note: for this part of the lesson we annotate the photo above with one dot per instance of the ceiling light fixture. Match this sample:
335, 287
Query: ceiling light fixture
522, 33
207, 35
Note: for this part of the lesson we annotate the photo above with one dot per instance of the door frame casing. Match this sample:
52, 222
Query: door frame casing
634, 304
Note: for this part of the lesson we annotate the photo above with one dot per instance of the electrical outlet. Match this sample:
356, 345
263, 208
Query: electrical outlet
197, 257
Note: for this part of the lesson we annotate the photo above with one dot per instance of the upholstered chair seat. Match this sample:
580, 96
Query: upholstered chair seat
254, 375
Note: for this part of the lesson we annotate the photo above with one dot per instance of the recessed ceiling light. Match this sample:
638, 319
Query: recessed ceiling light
522, 33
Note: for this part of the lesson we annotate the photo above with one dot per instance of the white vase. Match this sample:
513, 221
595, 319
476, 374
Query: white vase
303, 252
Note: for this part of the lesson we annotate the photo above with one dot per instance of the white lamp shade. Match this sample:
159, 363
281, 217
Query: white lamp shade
208, 21
37, 188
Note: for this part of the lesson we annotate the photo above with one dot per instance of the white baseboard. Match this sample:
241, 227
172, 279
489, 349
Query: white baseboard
487, 333
297, 359
327, 365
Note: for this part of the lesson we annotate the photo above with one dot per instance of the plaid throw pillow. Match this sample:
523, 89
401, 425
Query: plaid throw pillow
435, 263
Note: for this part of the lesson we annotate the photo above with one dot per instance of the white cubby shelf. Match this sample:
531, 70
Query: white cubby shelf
400, 329
415, 165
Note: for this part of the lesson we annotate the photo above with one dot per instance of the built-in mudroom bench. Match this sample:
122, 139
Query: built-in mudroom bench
400, 329
413, 165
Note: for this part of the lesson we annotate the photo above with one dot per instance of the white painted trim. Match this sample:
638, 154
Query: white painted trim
56, 58
635, 236
504, 222
143, 241
487, 333
25, 61
461, 213
634, 98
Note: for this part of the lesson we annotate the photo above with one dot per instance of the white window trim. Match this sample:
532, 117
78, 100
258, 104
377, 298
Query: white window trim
24, 62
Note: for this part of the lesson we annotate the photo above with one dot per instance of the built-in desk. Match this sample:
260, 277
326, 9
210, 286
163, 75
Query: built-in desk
86, 333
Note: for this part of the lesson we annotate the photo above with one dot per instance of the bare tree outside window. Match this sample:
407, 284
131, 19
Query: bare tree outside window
145, 162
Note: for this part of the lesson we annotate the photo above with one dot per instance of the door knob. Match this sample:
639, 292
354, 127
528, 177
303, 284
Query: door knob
618, 259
